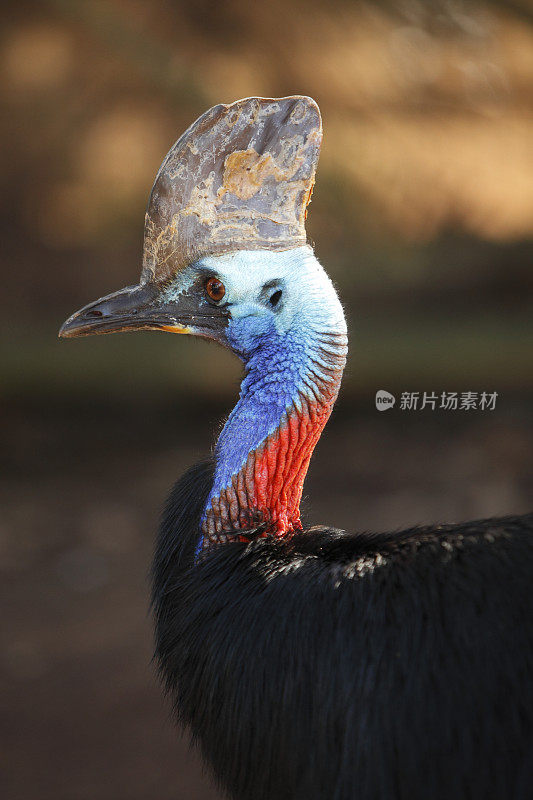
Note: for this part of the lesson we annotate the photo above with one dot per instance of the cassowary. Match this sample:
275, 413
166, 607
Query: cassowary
311, 663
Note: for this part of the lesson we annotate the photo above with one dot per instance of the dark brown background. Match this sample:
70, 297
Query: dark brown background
422, 214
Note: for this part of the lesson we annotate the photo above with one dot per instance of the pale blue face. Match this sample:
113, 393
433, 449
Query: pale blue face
267, 296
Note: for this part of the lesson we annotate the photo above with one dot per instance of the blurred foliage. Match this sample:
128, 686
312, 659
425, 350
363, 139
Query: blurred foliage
423, 210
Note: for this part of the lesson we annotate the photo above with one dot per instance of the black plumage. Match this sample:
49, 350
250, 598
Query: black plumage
342, 666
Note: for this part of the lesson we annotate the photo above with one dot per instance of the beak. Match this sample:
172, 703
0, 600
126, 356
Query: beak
138, 308
131, 309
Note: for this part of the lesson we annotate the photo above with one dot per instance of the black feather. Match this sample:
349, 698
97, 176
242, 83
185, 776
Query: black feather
337, 666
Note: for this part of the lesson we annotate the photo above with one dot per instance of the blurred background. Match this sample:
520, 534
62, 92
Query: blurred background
423, 216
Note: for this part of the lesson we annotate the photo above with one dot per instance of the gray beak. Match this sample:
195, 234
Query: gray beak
131, 309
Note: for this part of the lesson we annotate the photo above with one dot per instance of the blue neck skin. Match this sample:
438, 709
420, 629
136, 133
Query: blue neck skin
275, 380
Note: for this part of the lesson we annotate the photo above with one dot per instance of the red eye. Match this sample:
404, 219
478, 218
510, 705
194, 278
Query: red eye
215, 289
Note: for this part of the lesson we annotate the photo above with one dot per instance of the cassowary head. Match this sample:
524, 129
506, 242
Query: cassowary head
225, 252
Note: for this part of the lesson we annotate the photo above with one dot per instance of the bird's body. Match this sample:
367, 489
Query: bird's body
310, 664
342, 666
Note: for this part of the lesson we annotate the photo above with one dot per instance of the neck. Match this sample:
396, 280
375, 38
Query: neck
291, 382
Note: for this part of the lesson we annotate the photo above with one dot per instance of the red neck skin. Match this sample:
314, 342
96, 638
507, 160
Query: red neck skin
265, 493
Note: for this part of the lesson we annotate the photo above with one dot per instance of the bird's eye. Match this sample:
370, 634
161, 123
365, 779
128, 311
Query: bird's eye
215, 289
276, 297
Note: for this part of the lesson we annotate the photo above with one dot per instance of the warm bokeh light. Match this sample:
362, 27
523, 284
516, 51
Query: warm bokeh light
112, 164
428, 116
425, 184
36, 58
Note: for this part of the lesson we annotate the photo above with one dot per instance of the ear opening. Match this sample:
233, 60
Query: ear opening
275, 298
